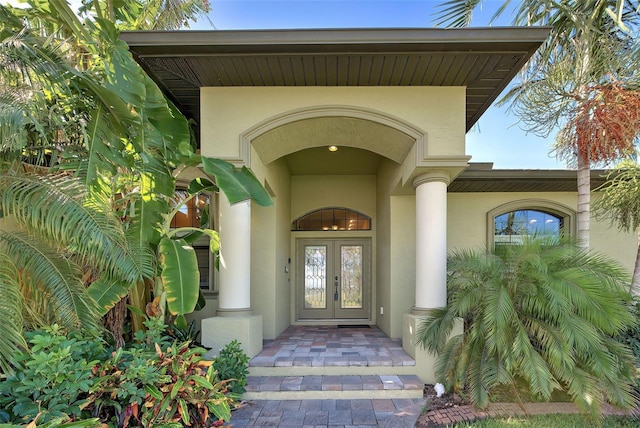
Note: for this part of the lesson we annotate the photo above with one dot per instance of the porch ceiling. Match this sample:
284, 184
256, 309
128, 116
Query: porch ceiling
320, 161
482, 59
333, 131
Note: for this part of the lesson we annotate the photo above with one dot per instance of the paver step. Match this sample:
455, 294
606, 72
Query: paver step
345, 359
333, 386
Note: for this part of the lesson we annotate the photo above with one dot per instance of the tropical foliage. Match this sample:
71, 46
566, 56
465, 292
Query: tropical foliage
575, 83
619, 202
89, 155
76, 379
233, 364
544, 314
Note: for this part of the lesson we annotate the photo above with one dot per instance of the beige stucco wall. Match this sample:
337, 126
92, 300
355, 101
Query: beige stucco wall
467, 223
403, 260
437, 113
270, 296
466, 228
229, 112
384, 188
310, 192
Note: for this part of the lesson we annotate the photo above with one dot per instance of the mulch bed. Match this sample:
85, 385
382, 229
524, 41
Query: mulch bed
444, 401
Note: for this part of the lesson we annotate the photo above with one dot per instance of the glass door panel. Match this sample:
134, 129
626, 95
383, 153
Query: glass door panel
353, 267
351, 276
315, 277
333, 278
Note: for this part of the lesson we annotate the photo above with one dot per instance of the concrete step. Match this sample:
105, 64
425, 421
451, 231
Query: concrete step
312, 387
399, 359
400, 364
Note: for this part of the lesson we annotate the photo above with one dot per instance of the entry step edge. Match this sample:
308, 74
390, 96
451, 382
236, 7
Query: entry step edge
400, 360
333, 383
335, 371
335, 395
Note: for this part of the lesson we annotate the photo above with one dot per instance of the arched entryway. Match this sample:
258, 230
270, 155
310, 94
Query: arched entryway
325, 262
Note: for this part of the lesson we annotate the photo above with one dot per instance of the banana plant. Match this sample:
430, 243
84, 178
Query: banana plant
179, 281
120, 139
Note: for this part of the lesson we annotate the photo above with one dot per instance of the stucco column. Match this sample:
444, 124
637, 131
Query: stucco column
235, 257
234, 318
431, 241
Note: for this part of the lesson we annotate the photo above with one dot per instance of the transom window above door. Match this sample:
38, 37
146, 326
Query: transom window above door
333, 218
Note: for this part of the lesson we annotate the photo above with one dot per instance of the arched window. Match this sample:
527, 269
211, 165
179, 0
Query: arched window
328, 219
512, 223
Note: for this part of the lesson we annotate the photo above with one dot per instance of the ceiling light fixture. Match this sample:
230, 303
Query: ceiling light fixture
333, 148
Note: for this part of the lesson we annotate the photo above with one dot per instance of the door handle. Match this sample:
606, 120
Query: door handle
335, 295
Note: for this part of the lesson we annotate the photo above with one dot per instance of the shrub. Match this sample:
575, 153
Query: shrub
233, 364
153, 382
55, 380
173, 385
631, 337
545, 313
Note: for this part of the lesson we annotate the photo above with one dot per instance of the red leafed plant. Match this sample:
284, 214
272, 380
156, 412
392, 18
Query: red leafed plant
604, 125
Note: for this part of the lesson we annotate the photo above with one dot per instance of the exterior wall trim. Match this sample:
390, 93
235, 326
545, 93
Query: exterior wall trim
326, 111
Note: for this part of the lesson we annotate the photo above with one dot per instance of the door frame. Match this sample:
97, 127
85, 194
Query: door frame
331, 314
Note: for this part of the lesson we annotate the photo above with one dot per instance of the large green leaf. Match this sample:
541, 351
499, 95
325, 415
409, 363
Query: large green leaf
238, 184
180, 275
107, 292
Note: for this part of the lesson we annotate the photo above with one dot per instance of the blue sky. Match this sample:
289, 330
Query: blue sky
497, 138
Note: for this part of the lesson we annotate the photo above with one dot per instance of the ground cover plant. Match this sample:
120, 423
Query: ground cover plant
155, 381
544, 314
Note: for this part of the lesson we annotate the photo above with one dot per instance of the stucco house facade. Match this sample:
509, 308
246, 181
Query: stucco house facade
359, 137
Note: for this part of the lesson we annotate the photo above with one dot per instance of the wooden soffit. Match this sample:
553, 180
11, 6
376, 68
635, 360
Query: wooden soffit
484, 60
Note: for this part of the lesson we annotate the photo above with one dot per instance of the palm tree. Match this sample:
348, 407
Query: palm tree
76, 109
544, 313
592, 50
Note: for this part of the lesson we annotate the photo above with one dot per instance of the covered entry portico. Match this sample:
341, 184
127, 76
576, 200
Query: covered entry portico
397, 104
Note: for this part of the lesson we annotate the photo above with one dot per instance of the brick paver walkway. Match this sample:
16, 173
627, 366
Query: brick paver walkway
449, 416
394, 413
330, 346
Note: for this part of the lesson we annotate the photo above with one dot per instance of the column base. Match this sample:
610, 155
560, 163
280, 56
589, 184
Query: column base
425, 362
220, 330
234, 312
423, 312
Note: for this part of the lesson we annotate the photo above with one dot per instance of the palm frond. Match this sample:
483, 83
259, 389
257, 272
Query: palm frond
45, 271
11, 339
60, 209
543, 312
455, 13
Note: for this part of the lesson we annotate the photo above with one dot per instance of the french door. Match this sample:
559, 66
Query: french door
333, 278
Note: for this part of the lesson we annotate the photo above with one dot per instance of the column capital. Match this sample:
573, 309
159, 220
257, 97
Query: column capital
429, 177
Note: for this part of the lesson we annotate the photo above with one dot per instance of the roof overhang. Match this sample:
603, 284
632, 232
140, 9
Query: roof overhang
484, 60
480, 177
